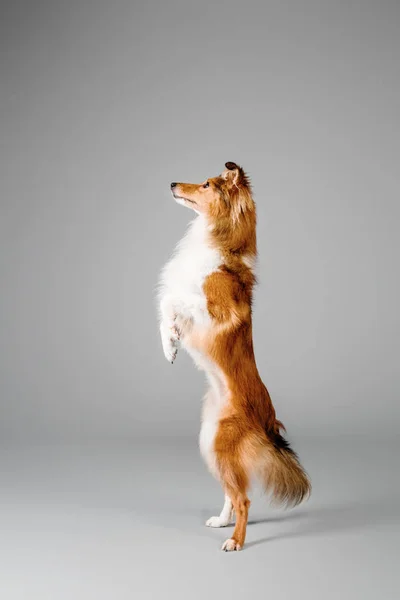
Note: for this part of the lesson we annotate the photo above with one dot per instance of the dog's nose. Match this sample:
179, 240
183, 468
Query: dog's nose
173, 184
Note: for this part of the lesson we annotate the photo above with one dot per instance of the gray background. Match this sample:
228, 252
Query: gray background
102, 105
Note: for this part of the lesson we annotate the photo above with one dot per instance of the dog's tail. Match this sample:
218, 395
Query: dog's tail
280, 471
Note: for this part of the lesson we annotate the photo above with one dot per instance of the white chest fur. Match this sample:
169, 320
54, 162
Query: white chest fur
181, 293
183, 276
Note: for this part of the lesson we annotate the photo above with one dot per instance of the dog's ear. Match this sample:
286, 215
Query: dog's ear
233, 174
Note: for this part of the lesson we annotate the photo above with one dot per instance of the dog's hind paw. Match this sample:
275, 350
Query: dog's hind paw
231, 545
217, 522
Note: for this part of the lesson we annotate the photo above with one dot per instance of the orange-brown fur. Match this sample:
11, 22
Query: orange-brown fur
248, 439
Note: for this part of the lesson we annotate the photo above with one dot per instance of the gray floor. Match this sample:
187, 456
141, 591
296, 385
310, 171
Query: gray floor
127, 521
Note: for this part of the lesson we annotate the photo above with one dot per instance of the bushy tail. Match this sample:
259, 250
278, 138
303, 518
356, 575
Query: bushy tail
281, 472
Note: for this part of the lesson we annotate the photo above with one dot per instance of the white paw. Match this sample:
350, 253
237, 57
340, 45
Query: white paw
174, 333
217, 522
170, 354
170, 341
231, 545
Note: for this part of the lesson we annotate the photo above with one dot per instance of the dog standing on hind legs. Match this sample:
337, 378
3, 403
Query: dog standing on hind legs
206, 307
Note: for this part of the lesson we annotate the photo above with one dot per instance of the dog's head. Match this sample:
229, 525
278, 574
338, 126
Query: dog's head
226, 196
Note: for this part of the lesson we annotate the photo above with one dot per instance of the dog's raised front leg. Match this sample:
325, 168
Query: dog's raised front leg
169, 331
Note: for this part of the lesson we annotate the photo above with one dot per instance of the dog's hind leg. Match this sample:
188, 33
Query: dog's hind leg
226, 516
232, 464
241, 505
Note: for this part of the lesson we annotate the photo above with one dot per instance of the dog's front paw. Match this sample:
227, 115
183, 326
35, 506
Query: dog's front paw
170, 336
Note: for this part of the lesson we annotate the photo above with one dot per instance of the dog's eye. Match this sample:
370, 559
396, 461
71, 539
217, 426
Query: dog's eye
206, 185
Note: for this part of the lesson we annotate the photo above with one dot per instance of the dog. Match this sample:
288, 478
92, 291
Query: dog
205, 306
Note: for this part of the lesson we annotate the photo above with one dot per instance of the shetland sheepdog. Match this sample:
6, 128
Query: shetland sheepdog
206, 307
